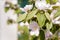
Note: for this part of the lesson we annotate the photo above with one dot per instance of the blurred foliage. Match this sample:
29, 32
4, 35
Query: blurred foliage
42, 35
51, 1
24, 33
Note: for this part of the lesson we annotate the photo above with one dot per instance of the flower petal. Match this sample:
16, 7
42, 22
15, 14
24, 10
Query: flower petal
22, 24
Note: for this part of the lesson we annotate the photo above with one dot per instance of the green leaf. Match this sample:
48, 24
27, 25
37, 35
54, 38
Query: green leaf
51, 1
54, 28
47, 16
41, 19
42, 35
17, 11
49, 26
6, 9
21, 17
57, 13
48, 1
31, 14
54, 1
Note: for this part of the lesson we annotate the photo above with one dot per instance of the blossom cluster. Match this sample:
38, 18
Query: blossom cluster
37, 16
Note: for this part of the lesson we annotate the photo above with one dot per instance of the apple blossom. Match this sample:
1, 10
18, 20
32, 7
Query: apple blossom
36, 32
26, 8
34, 28
41, 5
48, 34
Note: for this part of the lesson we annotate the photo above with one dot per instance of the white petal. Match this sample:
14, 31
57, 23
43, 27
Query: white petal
57, 4
22, 9
28, 7
52, 14
22, 24
37, 33
47, 5
27, 24
41, 5
57, 18
38, 4
50, 8
48, 34
32, 33
56, 22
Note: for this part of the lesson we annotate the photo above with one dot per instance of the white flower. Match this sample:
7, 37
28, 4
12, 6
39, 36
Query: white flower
48, 34
56, 20
52, 14
26, 23
36, 32
57, 4
22, 24
26, 8
34, 28
41, 5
